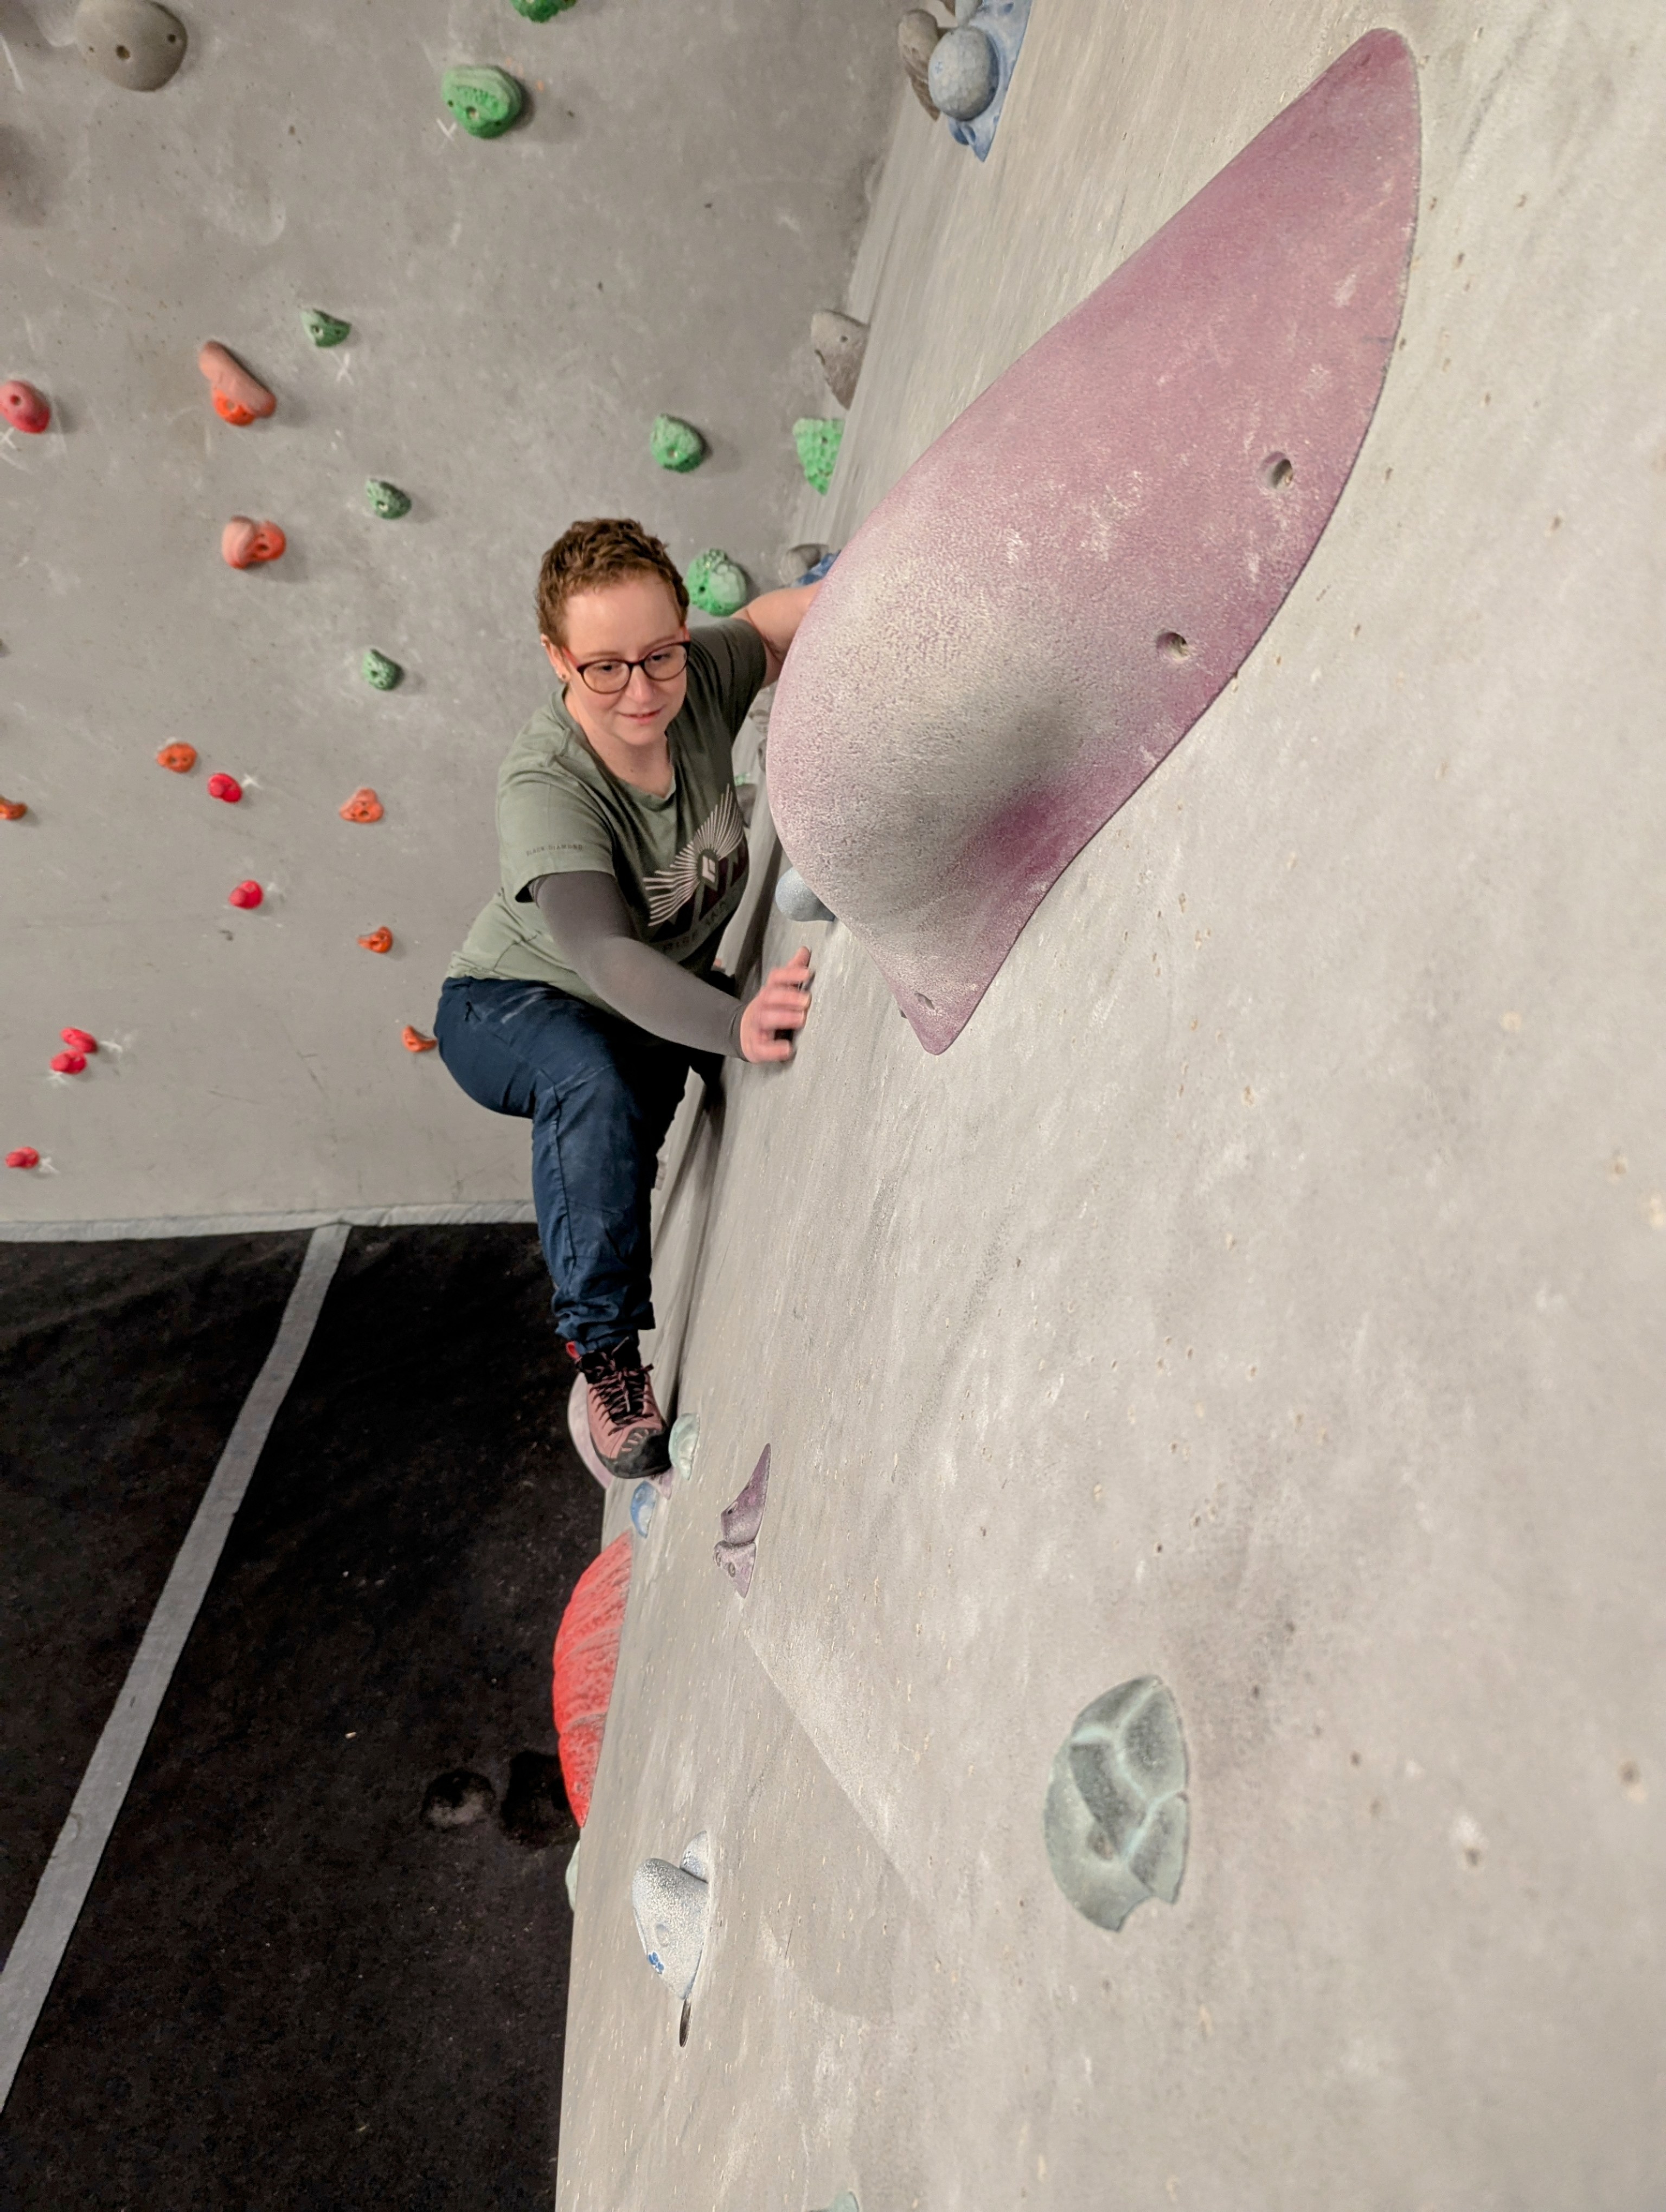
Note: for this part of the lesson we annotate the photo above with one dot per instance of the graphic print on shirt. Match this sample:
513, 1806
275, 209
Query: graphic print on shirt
704, 871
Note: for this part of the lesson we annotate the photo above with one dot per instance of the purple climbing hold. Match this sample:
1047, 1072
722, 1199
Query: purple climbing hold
737, 1554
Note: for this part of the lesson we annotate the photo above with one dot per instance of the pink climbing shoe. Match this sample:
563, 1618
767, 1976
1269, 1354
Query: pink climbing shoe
626, 1429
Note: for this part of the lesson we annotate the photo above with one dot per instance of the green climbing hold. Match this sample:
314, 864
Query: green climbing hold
324, 329
818, 439
717, 585
380, 673
540, 11
676, 445
485, 101
386, 500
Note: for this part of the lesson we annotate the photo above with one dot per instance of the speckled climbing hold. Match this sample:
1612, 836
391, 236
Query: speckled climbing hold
178, 759
240, 397
324, 329
12, 810
818, 439
586, 1657
795, 899
963, 73
737, 1552
81, 1041
917, 35
24, 408
362, 806
68, 1063
379, 940
1116, 1819
246, 544
386, 499
540, 11
248, 895
380, 673
415, 1041
676, 445
717, 585
643, 1500
226, 788
672, 1909
684, 1442
25, 1156
840, 342
485, 101
134, 43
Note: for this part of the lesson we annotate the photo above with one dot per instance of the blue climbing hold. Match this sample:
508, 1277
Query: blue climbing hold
643, 1499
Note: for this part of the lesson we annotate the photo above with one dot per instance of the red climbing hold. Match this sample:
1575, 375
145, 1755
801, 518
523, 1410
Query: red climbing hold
79, 1040
379, 940
179, 759
586, 1657
25, 1156
69, 1063
362, 806
246, 544
414, 1040
238, 398
246, 894
24, 408
12, 810
225, 786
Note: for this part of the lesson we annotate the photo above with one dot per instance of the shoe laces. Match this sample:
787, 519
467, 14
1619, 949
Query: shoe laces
622, 1387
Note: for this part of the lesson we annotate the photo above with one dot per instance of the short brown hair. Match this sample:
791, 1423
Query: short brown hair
592, 554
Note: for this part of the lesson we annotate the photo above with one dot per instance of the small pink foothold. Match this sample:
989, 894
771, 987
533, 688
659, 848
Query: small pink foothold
414, 1040
69, 1063
246, 894
362, 806
79, 1040
25, 1156
24, 408
239, 397
246, 544
225, 786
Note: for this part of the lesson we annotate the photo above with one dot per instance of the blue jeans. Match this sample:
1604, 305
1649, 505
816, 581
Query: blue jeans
599, 1094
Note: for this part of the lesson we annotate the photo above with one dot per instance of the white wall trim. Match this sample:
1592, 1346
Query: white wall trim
246, 1225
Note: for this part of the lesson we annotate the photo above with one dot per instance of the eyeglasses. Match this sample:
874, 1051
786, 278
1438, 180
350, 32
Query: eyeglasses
663, 665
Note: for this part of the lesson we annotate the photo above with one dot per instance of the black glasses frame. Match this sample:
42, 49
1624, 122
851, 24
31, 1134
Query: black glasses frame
613, 660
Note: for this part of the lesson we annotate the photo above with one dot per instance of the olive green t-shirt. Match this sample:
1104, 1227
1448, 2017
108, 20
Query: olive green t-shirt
680, 862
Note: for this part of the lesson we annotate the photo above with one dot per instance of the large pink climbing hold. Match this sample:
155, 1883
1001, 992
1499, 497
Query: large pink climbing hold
79, 1040
226, 788
1042, 607
246, 544
587, 1657
238, 398
25, 1156
24, 408
245, 895
68, 1063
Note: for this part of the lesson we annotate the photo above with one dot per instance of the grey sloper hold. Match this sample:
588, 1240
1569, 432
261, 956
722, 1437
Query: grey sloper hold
840, 342
672, 1908
795, 899
963, 72
134, 43
1116, 1819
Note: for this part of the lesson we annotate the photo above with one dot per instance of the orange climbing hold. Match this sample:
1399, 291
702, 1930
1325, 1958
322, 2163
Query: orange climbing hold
179, 759
68, 1063
12, 810
246, 894
379, 940
79, 1040
587, 1657
362, 806
238, 398
25, 1156
414, 1040
24, 408
246, 544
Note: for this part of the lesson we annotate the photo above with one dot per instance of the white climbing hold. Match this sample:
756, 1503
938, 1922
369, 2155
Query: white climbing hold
573, 1877
840, 342
795, 899
684, 1442
673, 1907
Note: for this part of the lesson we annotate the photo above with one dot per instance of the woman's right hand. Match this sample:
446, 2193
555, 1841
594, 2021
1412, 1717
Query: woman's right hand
780, 1006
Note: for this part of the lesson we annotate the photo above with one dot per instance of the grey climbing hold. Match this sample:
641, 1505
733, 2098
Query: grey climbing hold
840, 342
795, 899
673, 1907
486, 100
643, 1499
716, 584
1116, 1819
684, 1442
324, 329
134, 43
386, 499
917, 35
737, 1552
380, 673
797, 559
963, 73
676, 445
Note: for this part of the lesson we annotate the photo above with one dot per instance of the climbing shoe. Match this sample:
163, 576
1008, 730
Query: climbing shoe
626, 1426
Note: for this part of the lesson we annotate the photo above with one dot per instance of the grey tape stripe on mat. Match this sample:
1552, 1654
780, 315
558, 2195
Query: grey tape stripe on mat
241, 1225
63, 1888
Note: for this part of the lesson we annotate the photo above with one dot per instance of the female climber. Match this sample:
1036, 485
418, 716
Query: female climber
583, 995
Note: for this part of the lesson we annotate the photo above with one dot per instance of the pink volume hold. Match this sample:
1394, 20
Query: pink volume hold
24, 408
226, 788
246, 894
246, 544
238, 398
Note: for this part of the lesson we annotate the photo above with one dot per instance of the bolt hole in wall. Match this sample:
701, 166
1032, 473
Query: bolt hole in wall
1173, 646
1277, 471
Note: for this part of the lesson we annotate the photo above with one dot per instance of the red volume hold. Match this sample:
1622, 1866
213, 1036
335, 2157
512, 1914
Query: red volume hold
79, 1040
246, 894
69, 1063
25, 1156
24, 408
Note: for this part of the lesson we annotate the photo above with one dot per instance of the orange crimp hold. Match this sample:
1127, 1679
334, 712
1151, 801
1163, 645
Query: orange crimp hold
181, 759
246, 544
239, 397
586, 1657
362, 806
379, 940
414, 1040
12, 810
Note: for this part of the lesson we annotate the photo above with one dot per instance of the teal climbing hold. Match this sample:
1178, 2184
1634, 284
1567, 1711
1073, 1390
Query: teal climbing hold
716, 584
485, 101
676, 445
540, 11
380, 673
324, 329
818, 439
386, 499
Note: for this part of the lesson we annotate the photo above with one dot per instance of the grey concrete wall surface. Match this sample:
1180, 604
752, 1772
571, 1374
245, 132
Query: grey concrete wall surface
1266, 1292
687, 188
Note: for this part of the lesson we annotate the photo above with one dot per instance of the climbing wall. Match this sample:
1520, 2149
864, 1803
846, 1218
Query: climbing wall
248, 799
1182, 1724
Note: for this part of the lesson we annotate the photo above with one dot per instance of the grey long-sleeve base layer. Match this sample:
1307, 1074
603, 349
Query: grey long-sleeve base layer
587, 915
